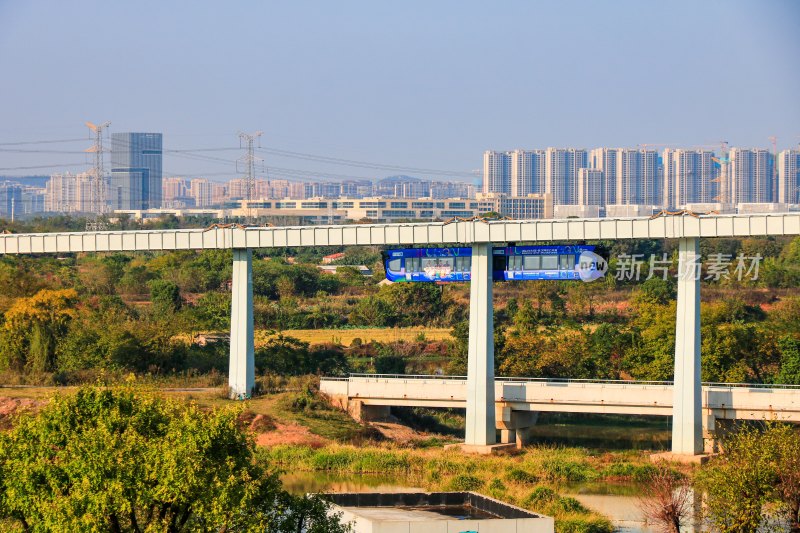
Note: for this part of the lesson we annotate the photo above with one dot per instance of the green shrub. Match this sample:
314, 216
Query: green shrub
640, 473
580, 523
564, 470
496, 484
541, 496
517, 475
567, 504
465, 482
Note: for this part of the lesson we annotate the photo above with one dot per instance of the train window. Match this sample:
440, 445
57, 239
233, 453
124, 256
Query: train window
412, 264
445, 263
566, 262
533, 262
549, 262
515, 262
463, 263
394, 265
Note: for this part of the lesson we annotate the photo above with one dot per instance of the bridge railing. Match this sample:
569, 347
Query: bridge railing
507, 379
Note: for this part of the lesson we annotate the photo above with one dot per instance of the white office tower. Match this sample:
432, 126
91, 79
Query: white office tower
201, 192
750, 176
527, 172
591, 187
637, 181
688, 178
561, 174
605, 159
789, 177
496, 172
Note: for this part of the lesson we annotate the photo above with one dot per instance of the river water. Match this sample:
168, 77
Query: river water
618, 501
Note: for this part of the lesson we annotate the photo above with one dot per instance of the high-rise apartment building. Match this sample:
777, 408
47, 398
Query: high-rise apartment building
788, 177
219, 193
591, 185
496, 172
173, 188
10, 200
201, 191
69, 193
688, 177
636, 180
561, 174
237, 189
527, 172
750, 175
605, 159
136, 166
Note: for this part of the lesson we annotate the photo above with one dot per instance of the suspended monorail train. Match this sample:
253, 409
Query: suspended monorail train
508, 262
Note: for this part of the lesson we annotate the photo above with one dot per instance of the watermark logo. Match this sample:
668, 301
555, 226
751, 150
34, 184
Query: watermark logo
716, 267
591, 266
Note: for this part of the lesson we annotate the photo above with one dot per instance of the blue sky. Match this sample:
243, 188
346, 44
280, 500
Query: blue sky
416, 84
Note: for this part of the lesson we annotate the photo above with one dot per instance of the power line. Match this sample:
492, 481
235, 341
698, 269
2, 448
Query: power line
20, 143
45, 166
363, 164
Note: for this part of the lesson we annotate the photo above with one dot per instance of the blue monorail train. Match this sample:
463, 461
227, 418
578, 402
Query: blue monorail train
509, 263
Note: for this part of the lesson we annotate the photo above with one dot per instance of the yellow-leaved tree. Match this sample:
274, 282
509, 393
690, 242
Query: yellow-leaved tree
32, 328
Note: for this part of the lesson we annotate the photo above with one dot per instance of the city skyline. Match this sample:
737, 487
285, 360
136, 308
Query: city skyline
408, 85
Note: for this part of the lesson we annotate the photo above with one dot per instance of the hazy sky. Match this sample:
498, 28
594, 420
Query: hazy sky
424, 84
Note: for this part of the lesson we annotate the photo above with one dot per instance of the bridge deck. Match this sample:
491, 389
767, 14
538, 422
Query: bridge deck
723, 401
464, 232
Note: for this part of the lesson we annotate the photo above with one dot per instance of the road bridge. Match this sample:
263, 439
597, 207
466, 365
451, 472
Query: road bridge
481, 235
519, 400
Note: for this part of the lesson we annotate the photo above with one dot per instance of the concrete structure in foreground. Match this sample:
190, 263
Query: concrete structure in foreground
518, 401
476, 233
435, 512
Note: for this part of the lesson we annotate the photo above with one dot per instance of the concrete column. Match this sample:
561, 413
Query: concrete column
687, 423
241, 370
480, 373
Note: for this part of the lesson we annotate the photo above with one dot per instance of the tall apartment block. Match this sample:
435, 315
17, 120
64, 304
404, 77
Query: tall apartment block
527, 172
591, 185
496, 172
689, 177
750, 175
561, 174
69, 193
605, 160
636, 181
788, 189
136, 166
201, 191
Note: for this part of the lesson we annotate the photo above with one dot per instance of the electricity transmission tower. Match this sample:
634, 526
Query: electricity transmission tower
97, 193
247, 140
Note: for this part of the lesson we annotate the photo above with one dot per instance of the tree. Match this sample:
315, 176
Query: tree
667, 500
166, 297
739, 482
33, 327
790, 361
120, 460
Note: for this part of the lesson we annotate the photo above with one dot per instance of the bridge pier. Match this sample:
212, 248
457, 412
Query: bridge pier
480, 431
241, 370
687, 423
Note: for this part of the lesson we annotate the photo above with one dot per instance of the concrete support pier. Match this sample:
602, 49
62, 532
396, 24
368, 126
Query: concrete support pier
687, 423
241, 373
481, 434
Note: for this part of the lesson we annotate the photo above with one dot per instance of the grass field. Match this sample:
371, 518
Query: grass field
346, 336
